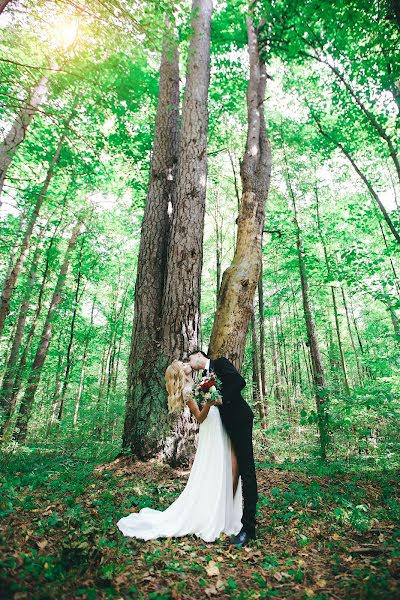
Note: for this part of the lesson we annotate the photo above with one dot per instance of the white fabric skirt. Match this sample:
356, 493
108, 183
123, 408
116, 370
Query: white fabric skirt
206, 506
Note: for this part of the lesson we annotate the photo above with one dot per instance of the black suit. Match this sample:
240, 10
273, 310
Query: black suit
237, 417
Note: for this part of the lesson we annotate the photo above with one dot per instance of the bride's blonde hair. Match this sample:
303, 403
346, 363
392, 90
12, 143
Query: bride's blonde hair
174, 382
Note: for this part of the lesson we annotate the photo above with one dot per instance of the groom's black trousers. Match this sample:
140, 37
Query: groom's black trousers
241, 438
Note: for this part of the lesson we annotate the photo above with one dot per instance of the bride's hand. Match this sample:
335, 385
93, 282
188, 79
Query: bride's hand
214, 402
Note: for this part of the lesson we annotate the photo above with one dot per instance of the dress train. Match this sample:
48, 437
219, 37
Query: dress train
206, 507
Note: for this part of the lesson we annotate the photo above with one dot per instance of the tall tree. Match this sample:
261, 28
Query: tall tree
11, 365
318, 370
41, 353
181, 300
15, 270
18, 129
239, 281
145, 397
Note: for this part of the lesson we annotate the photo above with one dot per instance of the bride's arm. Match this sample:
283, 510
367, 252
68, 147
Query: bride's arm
200, 415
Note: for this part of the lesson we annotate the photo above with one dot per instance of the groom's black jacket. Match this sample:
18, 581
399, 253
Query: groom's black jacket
234, 408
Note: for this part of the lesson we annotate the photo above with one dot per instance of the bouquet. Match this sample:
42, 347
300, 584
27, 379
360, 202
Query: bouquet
207, 389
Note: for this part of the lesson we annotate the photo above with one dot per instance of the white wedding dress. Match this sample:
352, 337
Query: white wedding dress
206, 507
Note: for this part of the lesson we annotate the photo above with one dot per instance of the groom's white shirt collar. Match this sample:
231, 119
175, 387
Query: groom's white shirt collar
207, 367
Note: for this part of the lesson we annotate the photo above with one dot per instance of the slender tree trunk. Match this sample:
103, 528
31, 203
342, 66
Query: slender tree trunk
396, 278
340, 345
370, 116
10, 371
218, 242
276, 363
368, 184
315, 352
257, 389
359, 370
239, 282
70, 341
40, 357
262, 335
55, 400
83, 368
18, 129
20, 370
235, 180
11, 279
281, 341
333, 295
145, 391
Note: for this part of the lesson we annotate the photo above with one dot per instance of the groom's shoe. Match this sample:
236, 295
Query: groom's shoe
241, 539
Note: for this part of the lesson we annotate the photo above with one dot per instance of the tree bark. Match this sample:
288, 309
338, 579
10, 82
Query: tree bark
11, 368
40, 357
146, 402
239, 281
180, 325
181, 299
3, 5
18, 129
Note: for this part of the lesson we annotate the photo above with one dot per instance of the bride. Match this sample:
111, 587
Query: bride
211, 502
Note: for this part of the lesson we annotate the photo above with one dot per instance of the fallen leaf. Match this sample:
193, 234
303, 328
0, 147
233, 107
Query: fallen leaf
211, 591
220, 584
212, 569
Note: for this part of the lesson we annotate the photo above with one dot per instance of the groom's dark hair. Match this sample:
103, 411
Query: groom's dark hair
201, 352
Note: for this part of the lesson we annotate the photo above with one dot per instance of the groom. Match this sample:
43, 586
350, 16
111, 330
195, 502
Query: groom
237, 417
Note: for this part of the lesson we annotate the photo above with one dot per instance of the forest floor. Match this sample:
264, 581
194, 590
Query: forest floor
319, 536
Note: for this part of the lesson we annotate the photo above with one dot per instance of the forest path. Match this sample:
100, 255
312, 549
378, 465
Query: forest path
319, 537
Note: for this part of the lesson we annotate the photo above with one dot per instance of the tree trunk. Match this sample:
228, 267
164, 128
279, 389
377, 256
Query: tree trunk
371, 189
368, 114
27, 345
262, 340
333, 295
70, 341
218, 241
239, 281
315, 352
3, 4
18, 129
11, 368
146, 402
359, 371
9, 283
40, 357
181, 300
276, 363
182, 288
257, 388
83, 368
